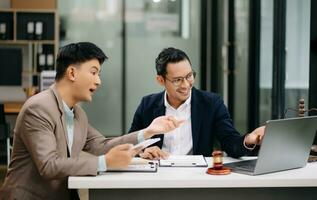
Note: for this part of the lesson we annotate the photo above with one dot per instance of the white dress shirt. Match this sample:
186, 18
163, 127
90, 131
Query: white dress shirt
179, 141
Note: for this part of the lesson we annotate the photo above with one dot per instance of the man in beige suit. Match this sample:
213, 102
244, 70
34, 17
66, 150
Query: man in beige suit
52, 132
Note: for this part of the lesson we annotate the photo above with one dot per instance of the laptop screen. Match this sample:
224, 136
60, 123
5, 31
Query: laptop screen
286, 145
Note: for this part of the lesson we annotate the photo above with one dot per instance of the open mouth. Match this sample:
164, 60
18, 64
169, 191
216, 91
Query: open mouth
92, 90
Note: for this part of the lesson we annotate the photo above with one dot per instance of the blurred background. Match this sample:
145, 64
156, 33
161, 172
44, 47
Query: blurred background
259, 55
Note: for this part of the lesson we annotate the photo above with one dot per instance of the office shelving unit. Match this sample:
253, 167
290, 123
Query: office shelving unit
39, 51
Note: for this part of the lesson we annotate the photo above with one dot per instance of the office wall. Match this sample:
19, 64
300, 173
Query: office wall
5, 4
150, 27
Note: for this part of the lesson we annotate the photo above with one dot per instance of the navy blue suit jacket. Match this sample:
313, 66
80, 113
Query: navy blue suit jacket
210, 120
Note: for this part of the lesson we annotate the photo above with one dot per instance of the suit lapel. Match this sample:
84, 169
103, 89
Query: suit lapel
65, 133
77, 133
196, 118
159, 110
62, 116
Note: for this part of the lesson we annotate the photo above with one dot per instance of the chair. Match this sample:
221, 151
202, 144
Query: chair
5, 132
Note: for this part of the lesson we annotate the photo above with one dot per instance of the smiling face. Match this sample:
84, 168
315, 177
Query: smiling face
176, 95
85, 80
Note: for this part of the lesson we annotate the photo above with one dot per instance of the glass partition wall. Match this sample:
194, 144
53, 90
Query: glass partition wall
297, 41
150, 27
99, 21
266, 61
297, 54
241, 10
132, 33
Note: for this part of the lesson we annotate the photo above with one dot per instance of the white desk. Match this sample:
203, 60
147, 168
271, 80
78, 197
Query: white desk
190, 183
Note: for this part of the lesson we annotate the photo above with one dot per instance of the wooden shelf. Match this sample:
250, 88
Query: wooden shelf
27, 42
19, 18
27, 10
12, 107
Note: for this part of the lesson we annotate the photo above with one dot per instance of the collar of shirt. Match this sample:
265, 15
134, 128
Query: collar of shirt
68, 112
182, 106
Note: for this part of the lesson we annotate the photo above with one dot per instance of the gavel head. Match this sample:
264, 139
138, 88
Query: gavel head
217, 159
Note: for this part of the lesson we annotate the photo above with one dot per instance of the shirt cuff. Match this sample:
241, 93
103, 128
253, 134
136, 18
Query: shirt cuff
102, 166
249, 148
140, 136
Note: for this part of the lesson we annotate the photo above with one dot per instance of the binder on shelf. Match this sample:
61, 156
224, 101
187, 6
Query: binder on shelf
3, 30
50, 61
39, 30
47, 78
6, 25
41, 62
35, 25
30, 30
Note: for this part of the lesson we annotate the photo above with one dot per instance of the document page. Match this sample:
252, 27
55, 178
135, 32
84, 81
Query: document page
147, 143
184, 161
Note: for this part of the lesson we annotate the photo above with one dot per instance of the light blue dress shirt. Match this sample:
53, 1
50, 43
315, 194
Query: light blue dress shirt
69, 117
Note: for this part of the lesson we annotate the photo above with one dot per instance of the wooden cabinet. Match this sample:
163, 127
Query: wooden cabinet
35, 32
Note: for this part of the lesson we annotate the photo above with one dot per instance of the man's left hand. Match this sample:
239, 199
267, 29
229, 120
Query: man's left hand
255, 137
154, 153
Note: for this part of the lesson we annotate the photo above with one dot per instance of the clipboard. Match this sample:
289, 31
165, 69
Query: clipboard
138, 165
184, 161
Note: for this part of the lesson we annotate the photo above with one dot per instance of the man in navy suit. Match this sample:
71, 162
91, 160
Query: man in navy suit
206, 117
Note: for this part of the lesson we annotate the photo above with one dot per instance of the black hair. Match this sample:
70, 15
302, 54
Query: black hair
76, 53
169, 55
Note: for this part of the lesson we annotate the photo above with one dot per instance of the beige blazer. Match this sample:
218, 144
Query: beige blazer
40, 162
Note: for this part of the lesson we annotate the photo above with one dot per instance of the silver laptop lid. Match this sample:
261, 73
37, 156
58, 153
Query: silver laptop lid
286, 144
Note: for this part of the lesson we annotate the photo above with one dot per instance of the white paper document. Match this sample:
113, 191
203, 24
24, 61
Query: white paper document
184, 161
138, 165
147, 143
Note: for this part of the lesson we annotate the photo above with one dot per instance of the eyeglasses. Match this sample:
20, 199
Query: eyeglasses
179, 80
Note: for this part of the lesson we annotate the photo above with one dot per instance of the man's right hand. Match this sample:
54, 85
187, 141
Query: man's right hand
161, 125
120, 156
154, 153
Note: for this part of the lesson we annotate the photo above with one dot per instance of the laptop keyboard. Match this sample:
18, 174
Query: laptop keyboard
246, 165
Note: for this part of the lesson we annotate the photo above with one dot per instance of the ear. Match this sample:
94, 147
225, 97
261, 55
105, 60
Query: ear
71, 73
160, 79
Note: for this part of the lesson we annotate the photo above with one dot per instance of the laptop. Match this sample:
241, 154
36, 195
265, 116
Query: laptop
286, 145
